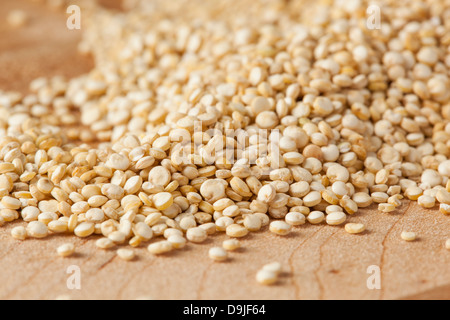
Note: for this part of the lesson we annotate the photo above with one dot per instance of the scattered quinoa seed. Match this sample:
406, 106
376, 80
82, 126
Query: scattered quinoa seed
274, 267
66, 250
231, 244
126, 254
104, 243
218, 254
280, 227
266, 277
408, 236
19, 233
160, 247
355, 228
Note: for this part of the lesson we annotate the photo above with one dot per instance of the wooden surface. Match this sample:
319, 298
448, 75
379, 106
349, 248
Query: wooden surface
319, 262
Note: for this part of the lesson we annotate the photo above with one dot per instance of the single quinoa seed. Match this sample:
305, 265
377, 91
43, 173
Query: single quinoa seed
231, 244
266, 277
66, 250
177, 241
196, 235
355, 228
236, 231
218, 254
408, 236
104, 243
160, 247
126, 254
19, 233
280, 227
36, 229
274, 267
336, 218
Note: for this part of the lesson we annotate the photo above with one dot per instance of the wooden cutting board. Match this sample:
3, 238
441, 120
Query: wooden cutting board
319, 262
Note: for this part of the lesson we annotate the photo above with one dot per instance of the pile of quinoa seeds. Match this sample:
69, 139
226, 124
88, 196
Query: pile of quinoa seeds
232, 116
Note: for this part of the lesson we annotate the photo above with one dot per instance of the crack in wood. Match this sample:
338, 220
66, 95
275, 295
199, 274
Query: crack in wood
81, 245
17, 287
291, 263
107, 262
202, 279
383, 252
134, 276
151, 262
316, 272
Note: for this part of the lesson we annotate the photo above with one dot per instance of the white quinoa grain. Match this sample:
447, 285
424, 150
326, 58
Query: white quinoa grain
266, 277
30, 213
223, 223
267, 194
315, 217
274, 267
218, 254
212, 190
36, 229
252, 223
177, 241
209, 227
196, 235
143, 231
162, 200
379, 197
126, 254
408, 236
231, 244
236, 231
187, 223
19, 233
11, 203
280, 227
333, 208
386, 207
66, 250
118, 161
84, 229
160, 247
413, 193
444, 208
355, 228
267, 120
443, 196
295, 218
426, 201
117, 237
58, 226
336, 218
231, 211
311, 199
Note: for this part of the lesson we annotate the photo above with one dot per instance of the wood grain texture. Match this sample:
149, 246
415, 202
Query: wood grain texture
320, 262
43, 47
